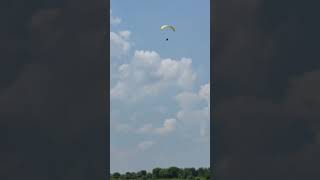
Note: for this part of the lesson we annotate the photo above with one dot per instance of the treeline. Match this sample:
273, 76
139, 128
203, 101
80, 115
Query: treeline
166, 173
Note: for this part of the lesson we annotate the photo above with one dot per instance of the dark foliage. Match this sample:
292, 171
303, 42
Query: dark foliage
168, 173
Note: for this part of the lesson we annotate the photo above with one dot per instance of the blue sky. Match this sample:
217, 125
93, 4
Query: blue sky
159, 89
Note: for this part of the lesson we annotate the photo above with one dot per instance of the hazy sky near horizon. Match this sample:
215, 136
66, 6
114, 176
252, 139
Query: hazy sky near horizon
160, 90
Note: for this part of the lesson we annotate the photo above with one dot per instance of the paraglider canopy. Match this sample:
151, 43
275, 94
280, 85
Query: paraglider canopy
163, 27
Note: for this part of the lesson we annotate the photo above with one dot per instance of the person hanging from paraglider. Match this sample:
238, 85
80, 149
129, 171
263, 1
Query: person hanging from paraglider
164, 27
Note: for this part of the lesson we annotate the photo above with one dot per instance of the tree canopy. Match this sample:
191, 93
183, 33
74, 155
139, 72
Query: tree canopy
165, 173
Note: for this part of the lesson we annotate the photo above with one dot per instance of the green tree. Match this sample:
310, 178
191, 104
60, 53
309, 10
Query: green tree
142, 173
130, 175
156, 172
194, 172
173, 172
207, 173
181, 174
201, 172
189, 172
116, 175
149, 175
164, 173
134, 175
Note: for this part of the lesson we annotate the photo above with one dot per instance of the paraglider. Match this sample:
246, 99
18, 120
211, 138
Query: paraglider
163, 27
168, 27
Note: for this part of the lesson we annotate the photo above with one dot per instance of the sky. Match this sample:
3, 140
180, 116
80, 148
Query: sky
159, 90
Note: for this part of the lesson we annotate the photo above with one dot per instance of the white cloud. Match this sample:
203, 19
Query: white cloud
177, 70
167, 128
145, 145
125, 34
188, 100
192, 113
147, 74
114, 20
194, 116
118, 45
119, 91
124, 71
205, 92
146, 59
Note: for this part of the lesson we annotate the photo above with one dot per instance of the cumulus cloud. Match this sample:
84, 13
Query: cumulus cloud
188, 100
119, 91
168, 127
195, 109
114, 20
119, 41
194, 115
179, 70
119, 44
146, 58
125, 34
147, 74
194, 112
204, 93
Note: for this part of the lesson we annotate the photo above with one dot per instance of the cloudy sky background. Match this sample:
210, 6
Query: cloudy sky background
159, 89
